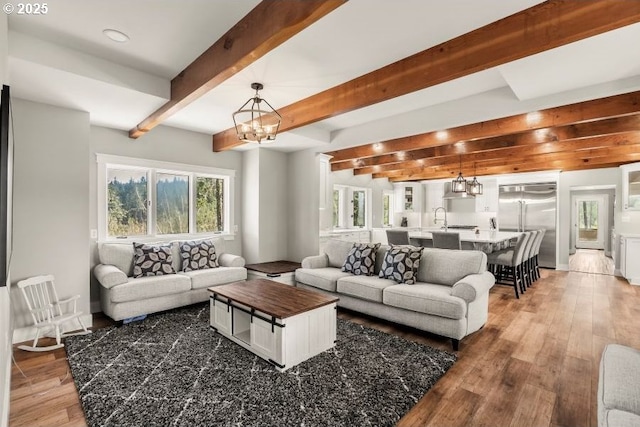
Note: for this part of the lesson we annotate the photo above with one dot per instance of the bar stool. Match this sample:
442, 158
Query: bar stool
527, 259
507, 264
444, 240
398, 237
538, 244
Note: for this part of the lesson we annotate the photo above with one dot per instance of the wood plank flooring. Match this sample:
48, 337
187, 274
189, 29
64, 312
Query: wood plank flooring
591, 261
535, 362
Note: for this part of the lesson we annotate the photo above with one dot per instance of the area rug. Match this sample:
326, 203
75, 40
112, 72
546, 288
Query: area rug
172, 370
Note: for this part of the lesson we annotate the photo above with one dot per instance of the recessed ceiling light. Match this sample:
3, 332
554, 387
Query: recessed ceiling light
115, 35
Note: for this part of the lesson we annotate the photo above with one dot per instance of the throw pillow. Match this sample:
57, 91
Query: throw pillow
152, 260
361, 259
198, 255
401, 264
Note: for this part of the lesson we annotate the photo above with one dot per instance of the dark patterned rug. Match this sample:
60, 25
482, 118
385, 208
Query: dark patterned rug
172, 370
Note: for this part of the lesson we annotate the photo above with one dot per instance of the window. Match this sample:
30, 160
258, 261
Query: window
139, 198
127, 202
209, 204
387, 208
359, 208
351, 206
336, 208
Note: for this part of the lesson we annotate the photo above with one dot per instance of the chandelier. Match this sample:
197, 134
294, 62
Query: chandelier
253, 123
459, 185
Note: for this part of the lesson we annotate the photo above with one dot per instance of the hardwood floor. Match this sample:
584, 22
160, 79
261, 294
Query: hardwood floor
535, 362
591, 261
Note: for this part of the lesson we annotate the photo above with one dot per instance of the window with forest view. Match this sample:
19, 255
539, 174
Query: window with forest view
127, 202
209, 204
184, 199
172, 206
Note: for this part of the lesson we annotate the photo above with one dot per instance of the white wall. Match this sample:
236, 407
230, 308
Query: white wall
51, 203
274, 211
251, 203
163, 143
265, 214
5, 308
605, 176
304, 199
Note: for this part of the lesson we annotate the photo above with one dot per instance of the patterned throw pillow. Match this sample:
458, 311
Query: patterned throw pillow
361, 259
198, 255
401, 264
149, 260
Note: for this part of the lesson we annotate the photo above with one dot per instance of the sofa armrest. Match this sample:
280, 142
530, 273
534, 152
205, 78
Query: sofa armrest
109, 275
230, 260
469, 288
315, 261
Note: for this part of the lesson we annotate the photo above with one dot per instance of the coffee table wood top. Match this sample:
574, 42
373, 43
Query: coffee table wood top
273, 298
275, 267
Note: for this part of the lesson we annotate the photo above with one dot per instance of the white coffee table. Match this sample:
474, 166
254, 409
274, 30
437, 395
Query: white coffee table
281, 324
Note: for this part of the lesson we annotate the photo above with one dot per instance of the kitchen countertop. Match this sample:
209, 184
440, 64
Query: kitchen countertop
471, 236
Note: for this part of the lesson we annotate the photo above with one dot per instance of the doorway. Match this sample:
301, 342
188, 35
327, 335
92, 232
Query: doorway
590, 222
591, 216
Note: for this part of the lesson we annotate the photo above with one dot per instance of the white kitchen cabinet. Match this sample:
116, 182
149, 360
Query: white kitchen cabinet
488, 200
408, 197
631, 187
629, 258
433, 195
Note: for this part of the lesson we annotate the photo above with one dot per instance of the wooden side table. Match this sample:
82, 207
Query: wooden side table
278, 271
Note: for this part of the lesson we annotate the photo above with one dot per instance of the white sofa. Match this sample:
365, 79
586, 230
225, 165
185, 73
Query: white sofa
122, 296
619, 387
450, 298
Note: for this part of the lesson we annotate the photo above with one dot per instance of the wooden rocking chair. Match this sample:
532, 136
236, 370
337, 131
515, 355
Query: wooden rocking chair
46, 310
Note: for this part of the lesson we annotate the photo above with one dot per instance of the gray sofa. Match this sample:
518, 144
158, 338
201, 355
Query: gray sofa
451, 297
122, 296
619, 387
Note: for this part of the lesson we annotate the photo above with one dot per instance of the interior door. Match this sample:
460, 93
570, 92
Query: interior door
590, 222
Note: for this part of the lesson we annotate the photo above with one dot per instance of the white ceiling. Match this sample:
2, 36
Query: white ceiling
64, 59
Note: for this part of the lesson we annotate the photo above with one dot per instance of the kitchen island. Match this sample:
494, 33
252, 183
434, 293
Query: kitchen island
486, 241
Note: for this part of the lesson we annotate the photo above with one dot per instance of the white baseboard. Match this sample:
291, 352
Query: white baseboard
617, 272
28, 332
562, 267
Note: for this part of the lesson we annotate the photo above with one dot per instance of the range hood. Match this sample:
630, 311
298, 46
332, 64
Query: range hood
449, 194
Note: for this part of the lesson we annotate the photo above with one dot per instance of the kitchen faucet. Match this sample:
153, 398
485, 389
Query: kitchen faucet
435, 216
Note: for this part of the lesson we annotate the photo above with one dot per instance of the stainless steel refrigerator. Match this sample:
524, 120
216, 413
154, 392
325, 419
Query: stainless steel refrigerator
527, 207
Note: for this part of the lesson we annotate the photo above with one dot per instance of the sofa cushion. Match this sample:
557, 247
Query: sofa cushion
446, 266
150, 287
361, 259
321, 278
616, 418
152, 260
364, 287
215, 276
117, 254
619, 382
337, 251
199, 255
425, 298
401, 264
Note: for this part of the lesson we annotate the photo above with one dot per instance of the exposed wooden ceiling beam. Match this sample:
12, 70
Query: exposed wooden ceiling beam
566, 161
629, 144
542, 27
267, 26
529, 143
613, 106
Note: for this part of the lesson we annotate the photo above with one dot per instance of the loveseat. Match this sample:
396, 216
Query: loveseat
450, 297
122, 296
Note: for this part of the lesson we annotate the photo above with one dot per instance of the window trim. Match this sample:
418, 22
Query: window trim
106, 161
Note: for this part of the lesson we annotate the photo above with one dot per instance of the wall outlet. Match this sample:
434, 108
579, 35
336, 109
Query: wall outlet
235, 228
94, 233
